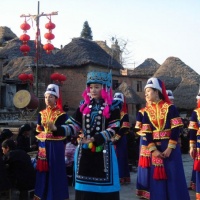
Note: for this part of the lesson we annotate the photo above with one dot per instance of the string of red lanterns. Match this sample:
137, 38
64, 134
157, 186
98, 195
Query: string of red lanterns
26, 77
49, 36
25, 38
24, 48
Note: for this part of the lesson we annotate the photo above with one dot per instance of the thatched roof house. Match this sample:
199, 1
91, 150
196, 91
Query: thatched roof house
182, 80
147, 68
80, 52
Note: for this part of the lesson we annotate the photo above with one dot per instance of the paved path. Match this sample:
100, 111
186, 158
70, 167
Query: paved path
128, 191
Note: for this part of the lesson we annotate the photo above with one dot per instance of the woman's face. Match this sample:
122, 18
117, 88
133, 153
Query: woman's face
95, 91
151, 95
50, 100
5, 150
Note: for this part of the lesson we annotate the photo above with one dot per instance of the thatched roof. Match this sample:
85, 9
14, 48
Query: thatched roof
147, 68
182, 80
6, 34
18, 65
80, 52
130, 94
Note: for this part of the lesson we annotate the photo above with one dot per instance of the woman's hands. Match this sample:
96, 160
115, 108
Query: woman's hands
167, 152
164, 154
51, 126
85, 140
157, 153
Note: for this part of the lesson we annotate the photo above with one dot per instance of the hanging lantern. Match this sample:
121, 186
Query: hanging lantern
30, 77
55, 76
48, 47
23, 77
24, 38
49, 36
25, 26
62, 77
25, 49
50, 25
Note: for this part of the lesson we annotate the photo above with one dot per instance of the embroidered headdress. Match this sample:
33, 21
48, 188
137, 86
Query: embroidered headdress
170, 94
55, 90
105, 79
52, 89
154, 83
119, 96
102, 78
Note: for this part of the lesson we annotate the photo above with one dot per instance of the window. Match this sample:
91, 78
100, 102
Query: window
115, 84
139, 86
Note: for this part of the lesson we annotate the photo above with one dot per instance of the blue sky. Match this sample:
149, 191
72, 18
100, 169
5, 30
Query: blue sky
154, 29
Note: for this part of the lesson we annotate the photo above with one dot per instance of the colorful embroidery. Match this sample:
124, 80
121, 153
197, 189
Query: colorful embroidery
175, 122
165, 134
157, 113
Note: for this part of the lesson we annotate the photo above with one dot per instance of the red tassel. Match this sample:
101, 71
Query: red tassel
93, 149
42, 165
197, 165
159, 173
144, 161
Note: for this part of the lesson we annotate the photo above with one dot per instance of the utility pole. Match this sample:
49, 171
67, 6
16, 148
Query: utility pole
38, 40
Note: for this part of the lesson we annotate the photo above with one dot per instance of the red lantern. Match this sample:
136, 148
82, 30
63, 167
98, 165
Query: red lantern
25, 49
30, 77
50, 25
24, 38
25, 26
55, 76
62, 77
48, 47
23, 77
49, 36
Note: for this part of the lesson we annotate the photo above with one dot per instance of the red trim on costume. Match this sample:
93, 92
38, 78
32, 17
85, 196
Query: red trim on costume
176, 122
165, 134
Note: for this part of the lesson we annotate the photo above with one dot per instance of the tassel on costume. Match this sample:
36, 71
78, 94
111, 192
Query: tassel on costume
197, 165
42, 165
144, 161
159, 173
159, 169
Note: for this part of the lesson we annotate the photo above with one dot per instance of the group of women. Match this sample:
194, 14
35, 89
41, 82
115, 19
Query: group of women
96, 122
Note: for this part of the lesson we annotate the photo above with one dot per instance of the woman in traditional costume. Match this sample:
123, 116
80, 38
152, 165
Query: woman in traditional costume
96, 168
161, 124
121, 139
51, 177
144, 164
194, 132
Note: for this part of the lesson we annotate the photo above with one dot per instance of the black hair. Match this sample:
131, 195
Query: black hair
159, 94
5, 134
23, 128
9, 143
